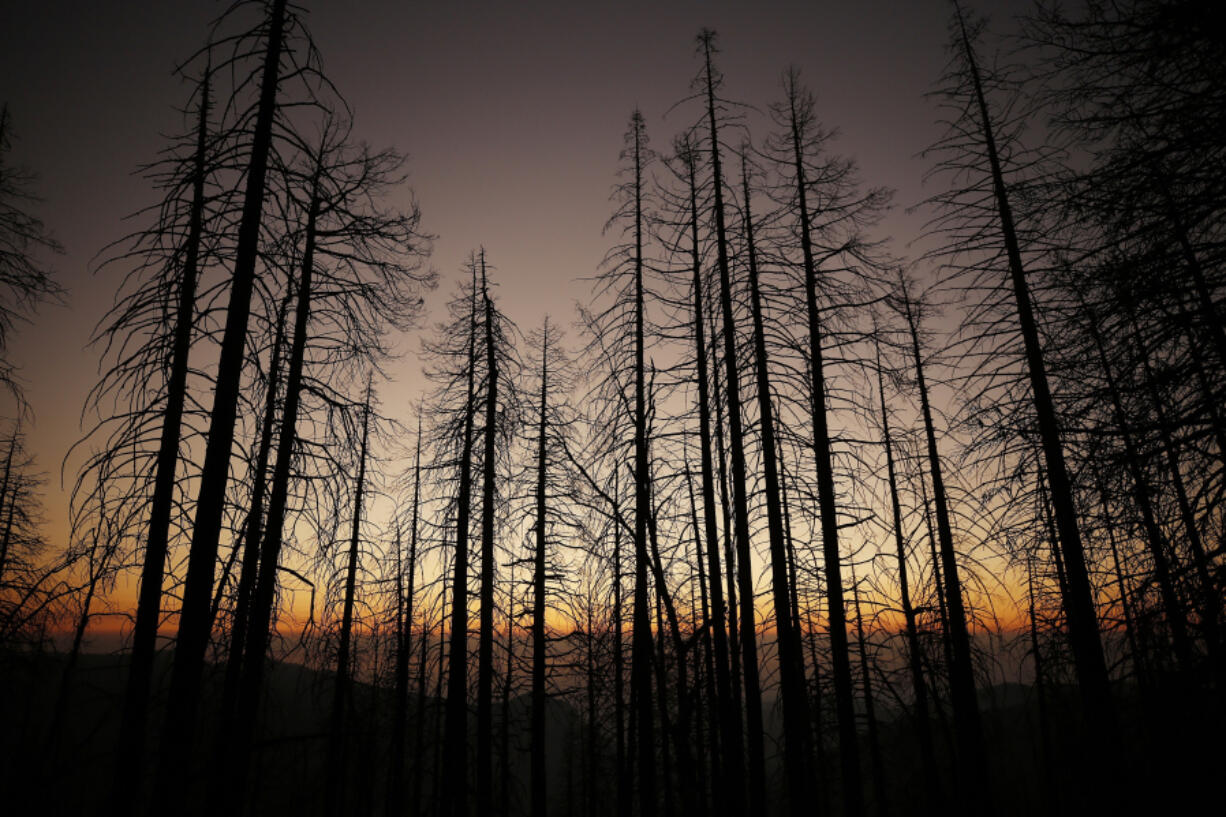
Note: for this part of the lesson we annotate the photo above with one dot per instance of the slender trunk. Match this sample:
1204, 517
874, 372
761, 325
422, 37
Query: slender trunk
251, 542
131, 747
440, 804
1061, 578
1091, 666
853, 795
870, 708
270, 548
793, 570
640, 670
740, 481
504, 761
732, 785
539, 804
404, 646
666, 763
485, 635
338, 753
729, 543
972, 762
819, 734
8, 460
791, 681
176, 760
715, 706
1045, 758
591, 744
419, 719
454, 782
919, 688
685, 760
619, 680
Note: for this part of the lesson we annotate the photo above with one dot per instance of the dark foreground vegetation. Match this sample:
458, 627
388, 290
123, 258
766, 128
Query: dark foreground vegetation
798, 525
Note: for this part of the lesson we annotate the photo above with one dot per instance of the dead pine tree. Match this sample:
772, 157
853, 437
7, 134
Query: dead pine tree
709, 81
880, 785
539, 566
799, 151
485, 632
397, 793
337, 762
978, 147
133, 720
358, 275
641, 643
499, 417
178, 732
731, 788
453, 786
971, 766
919, 686
252, 530
791, 664
270, 547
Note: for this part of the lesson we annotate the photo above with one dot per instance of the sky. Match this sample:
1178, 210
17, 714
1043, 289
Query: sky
511, 115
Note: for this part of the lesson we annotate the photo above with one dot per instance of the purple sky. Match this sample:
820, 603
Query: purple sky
512, 116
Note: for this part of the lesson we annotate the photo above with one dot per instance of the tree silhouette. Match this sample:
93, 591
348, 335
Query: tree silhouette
24, 280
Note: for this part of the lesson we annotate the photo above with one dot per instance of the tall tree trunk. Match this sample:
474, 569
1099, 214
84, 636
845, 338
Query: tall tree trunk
740, 482
419, 720
641, 659
971, 749
1091, 667
732, 786
880, 786
715, 707
176, 759
592, 779
252, 531
791, 681
919, 687
270, 548
404, 645
539, 804
619, 679
338, 752
504, 761
666, 762
485, 635
728, 539
454, 782
133, 720
438, 797
853, 795
685, 761
1045, 756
